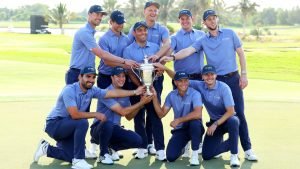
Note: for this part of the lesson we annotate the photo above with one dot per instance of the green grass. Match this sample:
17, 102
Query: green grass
32, 75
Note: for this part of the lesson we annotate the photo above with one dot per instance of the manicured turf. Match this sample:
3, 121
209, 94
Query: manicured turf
32, 75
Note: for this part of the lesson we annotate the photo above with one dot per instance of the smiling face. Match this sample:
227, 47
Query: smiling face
140, 34
95, 18
117, 28
211, 22
118, 81
182, 84
209, 79
151, 13
87, 81
186, 22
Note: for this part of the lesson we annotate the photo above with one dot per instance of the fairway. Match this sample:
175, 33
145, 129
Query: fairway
31, 81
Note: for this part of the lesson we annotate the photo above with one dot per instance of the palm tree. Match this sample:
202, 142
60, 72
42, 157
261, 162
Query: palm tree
60, 15
110, 5
165, 7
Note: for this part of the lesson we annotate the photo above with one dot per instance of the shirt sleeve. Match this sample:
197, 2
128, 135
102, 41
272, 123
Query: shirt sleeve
164, 33
197, 100
88, 40
109, 102
236, 40
68, 98
130, 35
99, 93
194, 84
173, 42
198, 44
227, 96
126, 53
168, 102
103, 44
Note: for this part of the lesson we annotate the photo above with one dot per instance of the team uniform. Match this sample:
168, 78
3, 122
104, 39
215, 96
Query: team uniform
115, 45
81, 55
137, 53
188, 131
68, 133
192, 64
110, 134
216, 100
220, 52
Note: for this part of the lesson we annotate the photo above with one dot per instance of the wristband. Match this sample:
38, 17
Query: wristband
243, 72
173, 56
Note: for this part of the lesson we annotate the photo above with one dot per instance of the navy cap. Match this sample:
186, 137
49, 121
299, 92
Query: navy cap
117, 70
208, 13
117, 16
139, 24
150, 3
97, 9
209, 69
181, 75
185, 12
88, 70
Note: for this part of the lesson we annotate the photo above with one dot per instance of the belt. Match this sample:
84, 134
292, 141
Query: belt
229, 74
195, 76
103, 75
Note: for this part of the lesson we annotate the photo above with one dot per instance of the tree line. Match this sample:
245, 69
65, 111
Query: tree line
244, 13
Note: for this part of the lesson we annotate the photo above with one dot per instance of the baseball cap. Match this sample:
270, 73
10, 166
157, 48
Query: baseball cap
208, 13
117, 16
139, 24
97, 9
184, 12
181, 75
208, 69
88, 70
150, 3
117, 70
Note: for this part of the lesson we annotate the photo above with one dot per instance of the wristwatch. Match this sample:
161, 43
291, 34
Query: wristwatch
173, 56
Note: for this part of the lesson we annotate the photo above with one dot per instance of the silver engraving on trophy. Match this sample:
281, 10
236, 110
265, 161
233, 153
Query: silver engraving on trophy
146, 74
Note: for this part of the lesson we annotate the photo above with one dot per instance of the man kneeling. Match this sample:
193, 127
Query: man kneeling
109, 134
187, 106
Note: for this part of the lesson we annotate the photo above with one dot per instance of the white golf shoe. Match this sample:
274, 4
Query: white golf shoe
41, 150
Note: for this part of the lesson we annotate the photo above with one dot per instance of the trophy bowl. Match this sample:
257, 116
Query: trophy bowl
146, 74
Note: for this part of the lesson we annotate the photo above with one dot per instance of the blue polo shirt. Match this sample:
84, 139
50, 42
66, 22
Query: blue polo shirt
138, 53
183, 39
104, 106
216, 99
183, 105
72, 95
83, 42
156, 34
220, 51
113, 44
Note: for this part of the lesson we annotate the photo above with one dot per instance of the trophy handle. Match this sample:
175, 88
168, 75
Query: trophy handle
133, 70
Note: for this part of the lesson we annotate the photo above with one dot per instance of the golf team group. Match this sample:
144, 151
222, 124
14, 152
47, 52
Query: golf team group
218, 86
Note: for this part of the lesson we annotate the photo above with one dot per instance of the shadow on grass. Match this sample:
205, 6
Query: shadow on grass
53, 165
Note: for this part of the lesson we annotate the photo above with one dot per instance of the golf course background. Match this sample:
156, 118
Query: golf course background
32, 69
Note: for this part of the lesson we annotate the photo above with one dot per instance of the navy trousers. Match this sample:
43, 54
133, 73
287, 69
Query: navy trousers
114, 136
70, 137
72, 76
103, 81
156, 124
214, 145
180, 137
238, 97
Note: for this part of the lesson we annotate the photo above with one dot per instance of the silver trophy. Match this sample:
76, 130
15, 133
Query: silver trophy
146, 74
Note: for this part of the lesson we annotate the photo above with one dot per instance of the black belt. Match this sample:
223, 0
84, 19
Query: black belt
195, 76
229, 74
103, 75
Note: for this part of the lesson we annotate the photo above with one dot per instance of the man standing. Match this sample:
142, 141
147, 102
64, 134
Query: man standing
113, 41
159, 35
109, 133
137, 52
187, 106
220, 47
67, 123
185, 37
85, 48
